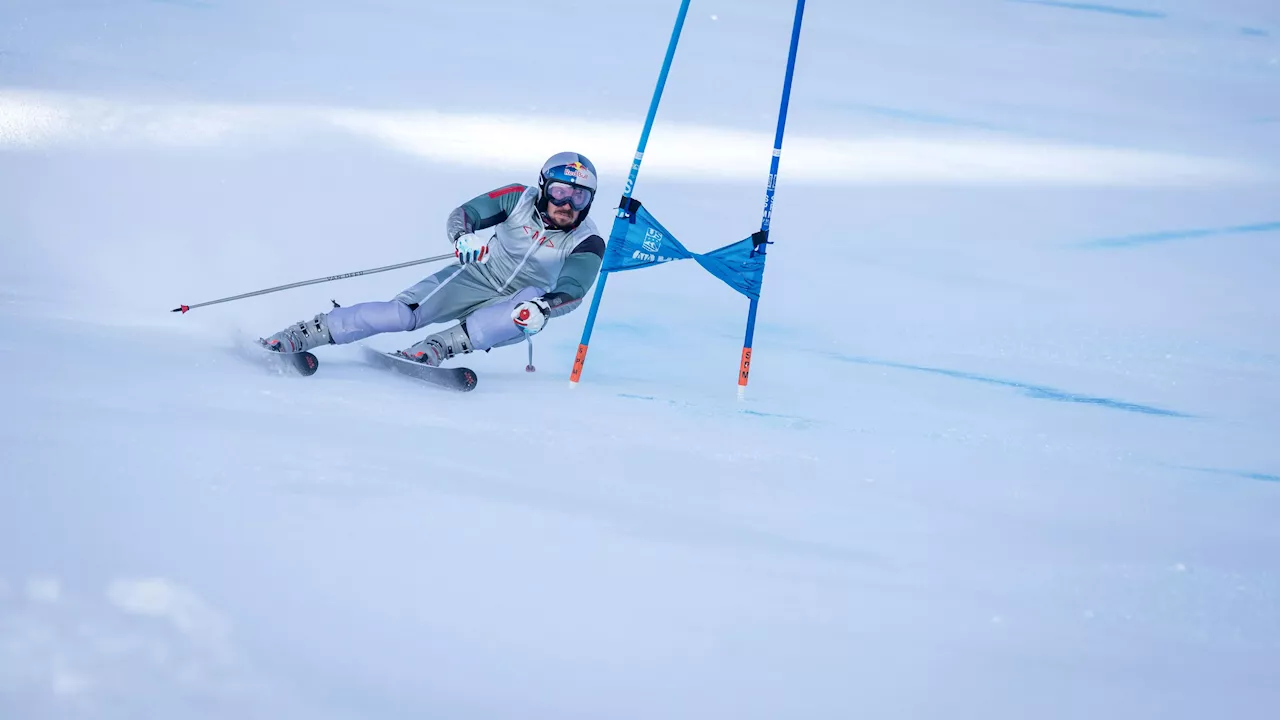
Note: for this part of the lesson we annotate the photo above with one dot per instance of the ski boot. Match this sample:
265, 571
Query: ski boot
438, 347
300, 337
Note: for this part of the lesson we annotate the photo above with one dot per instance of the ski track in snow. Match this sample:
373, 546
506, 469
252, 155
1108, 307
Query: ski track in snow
1008, 449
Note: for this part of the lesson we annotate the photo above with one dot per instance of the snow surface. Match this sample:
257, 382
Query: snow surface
1010, 445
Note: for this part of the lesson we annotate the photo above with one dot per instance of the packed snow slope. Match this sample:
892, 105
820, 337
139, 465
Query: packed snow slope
1009, 449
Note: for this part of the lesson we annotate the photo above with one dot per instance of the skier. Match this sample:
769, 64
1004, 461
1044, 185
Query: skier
525, 255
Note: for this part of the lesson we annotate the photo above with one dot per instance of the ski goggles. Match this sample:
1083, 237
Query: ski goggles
559, 193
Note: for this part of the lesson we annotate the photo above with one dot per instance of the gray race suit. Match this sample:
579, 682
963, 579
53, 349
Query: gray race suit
526, 259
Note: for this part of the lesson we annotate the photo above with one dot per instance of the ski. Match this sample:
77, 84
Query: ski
304, 363
460, 379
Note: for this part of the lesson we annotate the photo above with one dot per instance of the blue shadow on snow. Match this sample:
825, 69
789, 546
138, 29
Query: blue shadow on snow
1159, 237
1039, 392
194, 4
914, 116
790, 420
1091, 7
1236, 473
1254, 32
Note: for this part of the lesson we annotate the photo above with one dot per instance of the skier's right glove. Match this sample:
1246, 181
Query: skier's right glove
470, 248
531, 315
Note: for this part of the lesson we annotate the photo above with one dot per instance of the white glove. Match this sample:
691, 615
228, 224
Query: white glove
470, 248
531, 315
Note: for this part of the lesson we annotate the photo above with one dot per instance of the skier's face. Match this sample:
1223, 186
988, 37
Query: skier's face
562, 215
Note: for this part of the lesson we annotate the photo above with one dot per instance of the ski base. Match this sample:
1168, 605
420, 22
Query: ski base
303, 363
460, 379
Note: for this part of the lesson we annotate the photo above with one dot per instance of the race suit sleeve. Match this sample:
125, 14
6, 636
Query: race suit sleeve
483, 211
577, 275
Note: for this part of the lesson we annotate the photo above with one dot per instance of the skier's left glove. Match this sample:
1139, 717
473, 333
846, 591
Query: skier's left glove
531, 315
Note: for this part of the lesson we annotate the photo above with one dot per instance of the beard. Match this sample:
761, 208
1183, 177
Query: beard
561, 216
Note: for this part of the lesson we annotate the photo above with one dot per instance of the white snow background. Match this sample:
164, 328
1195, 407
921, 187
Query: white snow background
1010, 444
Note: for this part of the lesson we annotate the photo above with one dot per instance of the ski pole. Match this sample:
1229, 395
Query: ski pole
184, 308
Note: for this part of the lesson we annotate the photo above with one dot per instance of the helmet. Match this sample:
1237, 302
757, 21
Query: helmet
568, 168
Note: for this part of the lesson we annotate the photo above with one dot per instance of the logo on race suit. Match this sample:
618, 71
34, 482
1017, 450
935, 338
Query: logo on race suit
652, 241
538, 237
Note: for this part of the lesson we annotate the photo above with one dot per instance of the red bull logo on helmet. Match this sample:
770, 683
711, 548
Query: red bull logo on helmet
577, 170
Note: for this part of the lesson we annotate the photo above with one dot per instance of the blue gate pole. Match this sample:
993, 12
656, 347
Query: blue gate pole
744, 368
620, 221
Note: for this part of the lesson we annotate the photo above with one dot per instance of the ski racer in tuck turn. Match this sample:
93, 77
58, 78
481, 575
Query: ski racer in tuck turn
525, 255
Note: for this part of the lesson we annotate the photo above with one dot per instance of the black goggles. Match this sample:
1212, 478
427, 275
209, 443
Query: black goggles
559, 193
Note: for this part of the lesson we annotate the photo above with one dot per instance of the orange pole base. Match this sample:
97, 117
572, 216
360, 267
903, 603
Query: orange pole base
578, 361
